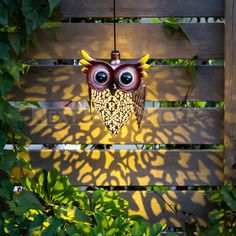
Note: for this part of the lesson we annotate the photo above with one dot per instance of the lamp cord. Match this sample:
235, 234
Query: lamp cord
114, 23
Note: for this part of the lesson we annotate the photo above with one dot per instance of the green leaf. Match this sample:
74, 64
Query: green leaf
81, 198
52, 188
121, 223
13, 118
145, 228
172, 25
216, 215
96, 196
6, 84
29, 184
156, 20
101, 220
109, 202
23, 202
71, 214
53, 4
34, 40
157, 229
136, 230
14, 71
35, 226
229, 197
3, 16
215, 196
3, 104
6, 189
8, 160
4, 49
50, 24
112, 232
15, 41
11, 227
1, 228
85, 229
3, 141
34, 17
53, 227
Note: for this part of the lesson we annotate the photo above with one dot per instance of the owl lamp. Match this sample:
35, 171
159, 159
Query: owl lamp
117, 89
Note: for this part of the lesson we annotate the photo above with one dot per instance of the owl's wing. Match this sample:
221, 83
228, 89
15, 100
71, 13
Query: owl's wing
90, 102
139, 97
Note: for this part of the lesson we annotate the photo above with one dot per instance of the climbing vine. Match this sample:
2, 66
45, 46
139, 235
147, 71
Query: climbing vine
19, 21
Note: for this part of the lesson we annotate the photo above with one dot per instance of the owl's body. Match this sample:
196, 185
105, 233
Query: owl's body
114, 110
117, 89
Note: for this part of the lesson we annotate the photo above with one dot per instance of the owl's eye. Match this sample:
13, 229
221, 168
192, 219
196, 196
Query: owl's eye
101, 76
126, 78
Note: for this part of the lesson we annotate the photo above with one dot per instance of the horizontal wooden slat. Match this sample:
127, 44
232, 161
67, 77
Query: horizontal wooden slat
180, 126
165, 83
151, 206
133, 167
140, 8
133, 40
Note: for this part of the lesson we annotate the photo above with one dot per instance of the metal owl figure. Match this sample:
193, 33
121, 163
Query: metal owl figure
117, 89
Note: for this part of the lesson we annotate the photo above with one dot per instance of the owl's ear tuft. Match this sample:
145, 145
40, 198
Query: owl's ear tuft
86, 56
145, 66
144, 74
144, 59
84, 70
84, 62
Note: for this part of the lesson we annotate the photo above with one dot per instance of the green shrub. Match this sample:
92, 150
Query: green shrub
52, 206
223, 217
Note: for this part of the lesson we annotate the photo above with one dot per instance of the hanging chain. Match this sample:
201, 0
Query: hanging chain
114, 23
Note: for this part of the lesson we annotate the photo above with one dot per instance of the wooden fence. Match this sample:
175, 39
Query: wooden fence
116, 168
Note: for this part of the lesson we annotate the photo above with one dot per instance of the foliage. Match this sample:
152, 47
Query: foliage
18, 23
172, 25
223, 217
189, 63
51, 206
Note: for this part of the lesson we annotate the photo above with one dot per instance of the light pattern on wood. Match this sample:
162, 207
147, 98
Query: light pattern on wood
151, 206
166, 125
133, 167
165, 83
206, 41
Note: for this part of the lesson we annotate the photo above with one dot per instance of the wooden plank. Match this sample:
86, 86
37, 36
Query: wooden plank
133, 167
152, 206
166, 125
134, 40
165, 83
230, 91
140, 8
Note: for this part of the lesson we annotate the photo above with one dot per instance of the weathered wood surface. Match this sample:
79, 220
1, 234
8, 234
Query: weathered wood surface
230, 91
134, 41
165, 83
140, 8
152, 207
170, 126
133, 167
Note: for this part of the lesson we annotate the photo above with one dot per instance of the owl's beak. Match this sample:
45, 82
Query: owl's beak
113, 89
